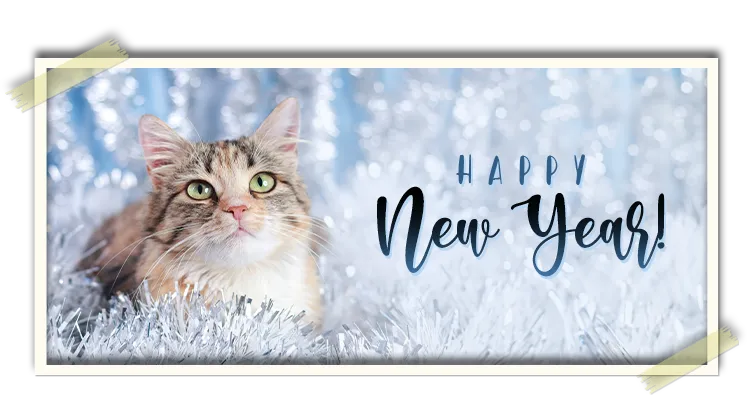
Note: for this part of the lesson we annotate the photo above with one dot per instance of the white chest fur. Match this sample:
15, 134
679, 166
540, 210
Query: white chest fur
282, 277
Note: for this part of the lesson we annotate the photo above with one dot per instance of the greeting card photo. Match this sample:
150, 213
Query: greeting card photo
377, 216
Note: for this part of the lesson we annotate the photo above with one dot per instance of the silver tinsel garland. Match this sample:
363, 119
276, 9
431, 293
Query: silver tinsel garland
376, 133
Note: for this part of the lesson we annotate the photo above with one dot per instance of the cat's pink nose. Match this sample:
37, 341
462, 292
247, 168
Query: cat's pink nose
238, 211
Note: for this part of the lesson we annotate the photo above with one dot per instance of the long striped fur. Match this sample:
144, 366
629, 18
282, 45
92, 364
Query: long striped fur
176, 242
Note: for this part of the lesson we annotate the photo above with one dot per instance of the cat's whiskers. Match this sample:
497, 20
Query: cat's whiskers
261, 144
223, 246
311, 220
179, 257
144, 239
195, 129
219, 249
165, 275
308, 234
133, 249
195, 247
161, 257
137, 243
290, 236
194, 153
303, 220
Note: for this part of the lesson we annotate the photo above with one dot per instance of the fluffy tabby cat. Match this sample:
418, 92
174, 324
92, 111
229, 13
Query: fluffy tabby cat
228, 217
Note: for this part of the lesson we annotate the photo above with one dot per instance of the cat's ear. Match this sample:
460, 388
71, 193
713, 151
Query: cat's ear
283, 125
162, 146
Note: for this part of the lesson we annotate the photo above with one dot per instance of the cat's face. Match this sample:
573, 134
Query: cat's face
230, 202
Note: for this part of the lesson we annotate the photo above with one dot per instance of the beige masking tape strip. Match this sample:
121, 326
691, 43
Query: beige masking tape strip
69, 74
688, 360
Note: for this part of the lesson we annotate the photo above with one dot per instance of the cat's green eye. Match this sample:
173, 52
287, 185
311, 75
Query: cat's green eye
199, 190
262, 183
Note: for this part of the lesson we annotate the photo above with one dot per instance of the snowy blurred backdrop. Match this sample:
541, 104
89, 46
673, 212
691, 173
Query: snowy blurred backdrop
377, 132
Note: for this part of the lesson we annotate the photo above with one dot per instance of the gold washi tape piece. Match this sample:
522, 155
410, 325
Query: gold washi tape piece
69, 74
687, 360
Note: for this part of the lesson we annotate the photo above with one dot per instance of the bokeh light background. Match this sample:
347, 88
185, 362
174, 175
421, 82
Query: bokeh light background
377, 132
